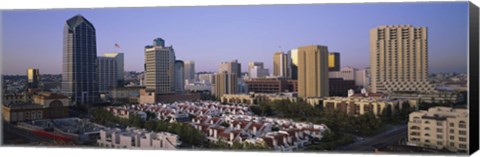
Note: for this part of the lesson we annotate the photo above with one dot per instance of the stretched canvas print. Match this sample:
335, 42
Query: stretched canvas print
388, 78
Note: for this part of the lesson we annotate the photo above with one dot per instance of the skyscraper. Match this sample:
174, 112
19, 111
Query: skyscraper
33, 77
119, 59
107, 73
79, 76
334, 61
294, 63
231, 67
399, 59
225, 83
189, 67
160, 67
281, 65
313, 71
179, 76
253, 64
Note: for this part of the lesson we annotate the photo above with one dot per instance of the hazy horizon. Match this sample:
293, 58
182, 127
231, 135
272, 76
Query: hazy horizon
209, 35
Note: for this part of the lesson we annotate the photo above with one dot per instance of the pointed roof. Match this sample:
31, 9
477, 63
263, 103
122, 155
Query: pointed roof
77, 20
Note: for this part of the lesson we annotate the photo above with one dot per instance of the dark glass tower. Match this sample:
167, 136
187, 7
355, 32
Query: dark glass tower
79, 77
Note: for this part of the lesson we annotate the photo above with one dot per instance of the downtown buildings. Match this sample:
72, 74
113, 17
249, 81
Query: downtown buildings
110, 71
79, 76
313, 71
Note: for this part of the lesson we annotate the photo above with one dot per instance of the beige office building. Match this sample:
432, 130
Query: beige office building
439, 128
232, 67
225, 83
281, 65
313, 71
399, 59
159, 68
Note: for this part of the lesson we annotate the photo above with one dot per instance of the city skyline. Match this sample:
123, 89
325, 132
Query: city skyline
260, 30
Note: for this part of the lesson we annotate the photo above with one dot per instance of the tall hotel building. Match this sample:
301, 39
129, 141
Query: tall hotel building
281, 65
110, 71
313, 71
79, 76
159, 68
189, 68
399, 59
33, 77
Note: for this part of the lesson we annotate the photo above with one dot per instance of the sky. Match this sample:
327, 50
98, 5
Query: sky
209, 35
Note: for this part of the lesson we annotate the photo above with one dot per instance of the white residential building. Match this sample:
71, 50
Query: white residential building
137, 139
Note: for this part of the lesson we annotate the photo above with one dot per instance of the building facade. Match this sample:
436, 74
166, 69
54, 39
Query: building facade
179, 76
267, 85
160, 68
258, 72
137, 139
120, 70
294, 63
439, 128
107, 73
313, 71
79, 76
399, 59
334, 61
189, 68
33, 76
232, 67
225, 83
41, 106
281, 65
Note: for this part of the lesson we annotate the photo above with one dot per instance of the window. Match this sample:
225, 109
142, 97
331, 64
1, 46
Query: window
427, 134
439, 123
439, 136
452, 125
462, 139
452, 138
427, 122
462, 124
462, 132
462, 145
439, 143
452, 144
439, 130
452, 131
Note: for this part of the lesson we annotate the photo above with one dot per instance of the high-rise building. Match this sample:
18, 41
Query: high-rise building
225, 83
399, 59
439, 128
334, 61
313, 71
253, 64
231, 67
281, 65
362, 78
258, 72
119, 59
33, 76
107, 73
160, 68
294, 63
189, 67
179, 76
79, 76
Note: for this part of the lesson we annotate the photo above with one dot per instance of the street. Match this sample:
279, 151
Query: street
384, 139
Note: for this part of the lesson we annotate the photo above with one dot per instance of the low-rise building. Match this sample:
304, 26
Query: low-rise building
42, 106
439, 128
129, 94
133, 138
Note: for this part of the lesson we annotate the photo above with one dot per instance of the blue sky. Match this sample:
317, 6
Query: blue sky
209, 35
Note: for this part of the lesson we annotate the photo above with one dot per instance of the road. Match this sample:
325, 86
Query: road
384, 139
25, 133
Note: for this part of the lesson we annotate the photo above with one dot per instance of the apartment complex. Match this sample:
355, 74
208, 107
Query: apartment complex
137, 139
159, 68
313, 71
362, 103
399, 59
439, 128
